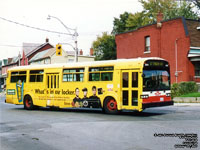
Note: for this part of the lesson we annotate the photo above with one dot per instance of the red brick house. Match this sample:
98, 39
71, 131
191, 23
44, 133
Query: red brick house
176, 40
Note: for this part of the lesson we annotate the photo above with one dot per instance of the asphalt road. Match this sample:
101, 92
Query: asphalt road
45, 129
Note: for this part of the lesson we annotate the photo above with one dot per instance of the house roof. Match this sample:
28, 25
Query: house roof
4, 62
182, 18
30, 48
44, 54
10, 61
193, 32
14, 60
190, 27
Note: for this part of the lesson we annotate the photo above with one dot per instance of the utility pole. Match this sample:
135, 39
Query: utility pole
76, 46
19, 57
75, 35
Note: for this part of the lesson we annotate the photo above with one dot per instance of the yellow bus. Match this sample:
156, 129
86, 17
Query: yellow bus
114, 85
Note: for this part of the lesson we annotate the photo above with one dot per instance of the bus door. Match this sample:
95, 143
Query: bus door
52, 88
130, 89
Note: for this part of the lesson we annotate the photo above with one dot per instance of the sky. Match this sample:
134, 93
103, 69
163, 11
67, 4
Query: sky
89, 17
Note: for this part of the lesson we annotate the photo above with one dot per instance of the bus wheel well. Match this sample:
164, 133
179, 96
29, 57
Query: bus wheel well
108, 97
28, 102
110, 105
27, 95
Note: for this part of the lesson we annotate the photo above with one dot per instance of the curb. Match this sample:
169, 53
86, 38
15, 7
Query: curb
186, 99
186, 104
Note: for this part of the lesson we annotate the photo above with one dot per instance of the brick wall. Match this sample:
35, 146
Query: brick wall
162, 44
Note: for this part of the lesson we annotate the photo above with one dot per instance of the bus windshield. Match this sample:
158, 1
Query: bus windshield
156, 80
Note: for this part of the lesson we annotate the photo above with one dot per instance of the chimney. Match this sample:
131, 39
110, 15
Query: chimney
81, 52
47, 40
159, 19
91, 51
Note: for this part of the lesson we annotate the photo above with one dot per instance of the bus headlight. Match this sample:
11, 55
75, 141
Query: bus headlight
144, 96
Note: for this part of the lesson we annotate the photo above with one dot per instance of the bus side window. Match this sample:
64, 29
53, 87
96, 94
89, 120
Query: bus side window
73, 75
36, 75
107, 76
101, 73
94, 77
16, 76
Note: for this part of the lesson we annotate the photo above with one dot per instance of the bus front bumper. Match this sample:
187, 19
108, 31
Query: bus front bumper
157, 104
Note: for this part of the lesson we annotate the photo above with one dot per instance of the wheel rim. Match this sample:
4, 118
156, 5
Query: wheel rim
112, 105
28, 103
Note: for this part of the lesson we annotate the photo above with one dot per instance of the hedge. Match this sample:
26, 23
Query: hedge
178, 89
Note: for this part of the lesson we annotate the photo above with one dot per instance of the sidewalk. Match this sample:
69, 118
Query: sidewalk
2, 93
186, 104
186, 99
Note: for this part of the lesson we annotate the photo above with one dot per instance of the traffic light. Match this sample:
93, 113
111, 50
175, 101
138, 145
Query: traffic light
58, 50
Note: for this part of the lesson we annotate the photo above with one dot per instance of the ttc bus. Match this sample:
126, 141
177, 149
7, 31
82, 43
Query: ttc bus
115, 85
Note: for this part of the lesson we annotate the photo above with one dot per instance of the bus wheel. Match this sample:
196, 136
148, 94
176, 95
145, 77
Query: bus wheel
110, 106
28, 103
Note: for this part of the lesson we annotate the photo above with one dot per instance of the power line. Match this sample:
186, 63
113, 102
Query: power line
36, 28
10, 45
5, 45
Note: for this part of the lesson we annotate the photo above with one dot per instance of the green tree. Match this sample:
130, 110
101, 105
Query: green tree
136, 20
119, 24
169, 8
104, 47
197, 3
186, 10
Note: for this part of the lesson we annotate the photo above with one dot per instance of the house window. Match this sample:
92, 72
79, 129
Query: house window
197, 68
147, 44
70, 60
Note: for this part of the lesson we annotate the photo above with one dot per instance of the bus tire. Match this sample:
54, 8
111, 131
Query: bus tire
28, 103
110, 106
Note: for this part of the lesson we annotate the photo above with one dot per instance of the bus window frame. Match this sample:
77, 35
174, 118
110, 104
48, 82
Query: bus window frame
100, 72
18, 74
158, 66
36, 75
73, 73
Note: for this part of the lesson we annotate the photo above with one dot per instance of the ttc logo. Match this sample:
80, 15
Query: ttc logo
157, 93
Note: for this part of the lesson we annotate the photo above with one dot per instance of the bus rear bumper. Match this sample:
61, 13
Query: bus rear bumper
157, 104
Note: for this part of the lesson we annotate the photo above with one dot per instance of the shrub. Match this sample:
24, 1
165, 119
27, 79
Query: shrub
178, 89
175, 90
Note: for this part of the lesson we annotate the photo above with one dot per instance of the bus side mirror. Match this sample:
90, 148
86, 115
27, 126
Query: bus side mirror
143, 75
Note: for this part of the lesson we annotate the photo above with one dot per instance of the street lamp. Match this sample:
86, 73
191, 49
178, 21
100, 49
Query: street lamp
75, 35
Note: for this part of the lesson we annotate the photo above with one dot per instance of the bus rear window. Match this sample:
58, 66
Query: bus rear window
36, 75
18, 76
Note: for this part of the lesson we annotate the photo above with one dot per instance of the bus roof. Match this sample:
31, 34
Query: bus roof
135, 61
